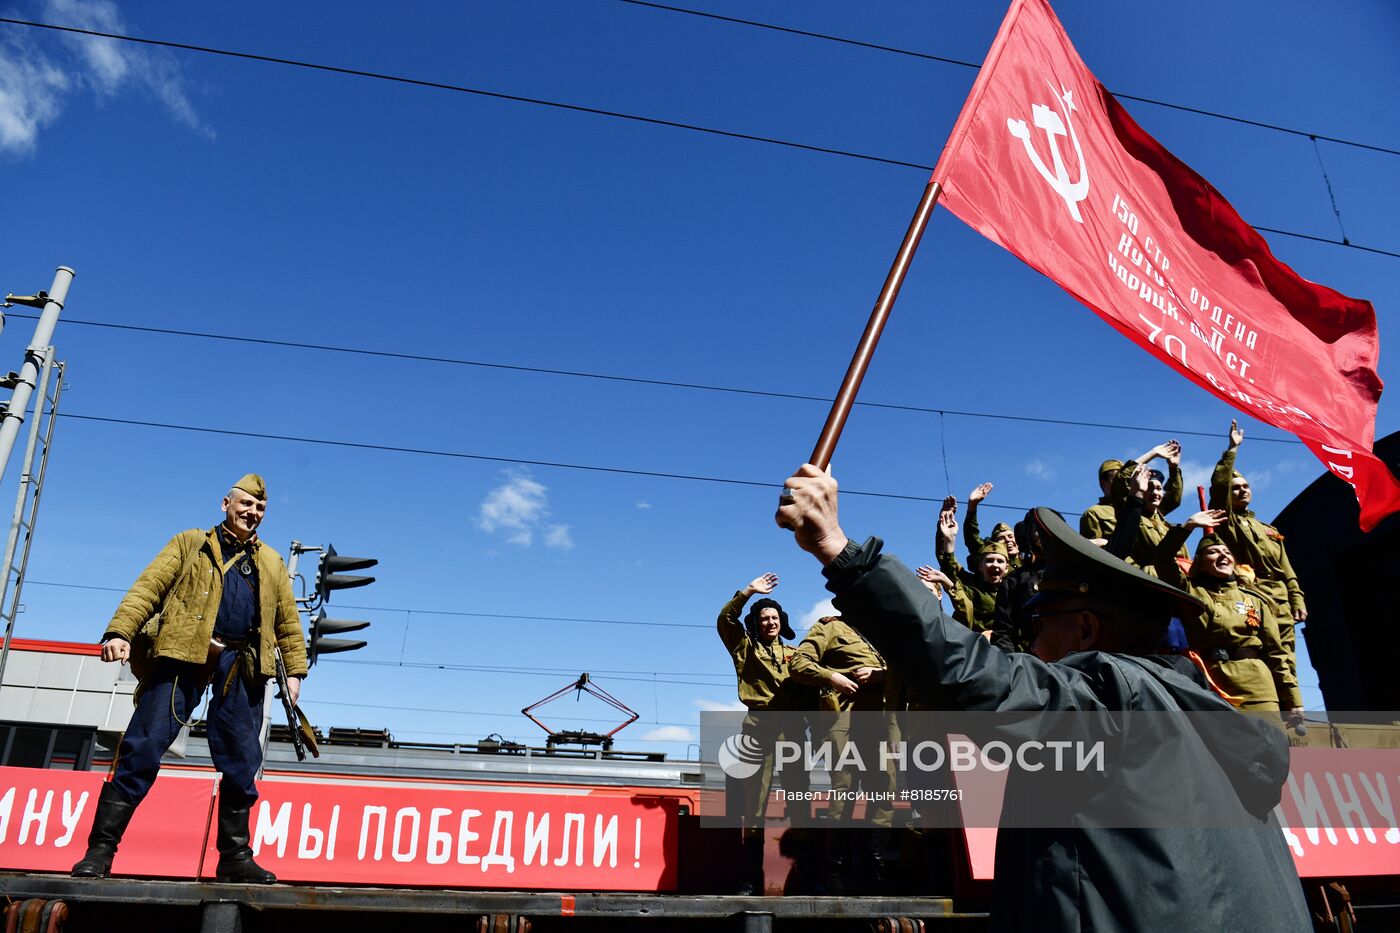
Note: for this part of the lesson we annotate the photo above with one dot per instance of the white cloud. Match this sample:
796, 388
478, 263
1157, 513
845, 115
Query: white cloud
518, 509
1041, 470
1193, 474
31, 94
818, 611
669, 734
643, 505
715, 706
37, 79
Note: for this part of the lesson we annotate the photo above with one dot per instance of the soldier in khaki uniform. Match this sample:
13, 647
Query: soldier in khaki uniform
991, 565
1256, 544
762, 665
1098, 520
1237, 636
1163, 495
212, 606
851, 675
1001, 531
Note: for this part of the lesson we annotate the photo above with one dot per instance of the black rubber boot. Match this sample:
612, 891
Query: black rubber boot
752, 883
236, 865
108, 824
876, 876
832, 879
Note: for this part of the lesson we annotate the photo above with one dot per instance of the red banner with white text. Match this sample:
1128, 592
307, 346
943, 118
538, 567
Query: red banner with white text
1044, 161
462, 837
380, 833
45, 817
1339, 812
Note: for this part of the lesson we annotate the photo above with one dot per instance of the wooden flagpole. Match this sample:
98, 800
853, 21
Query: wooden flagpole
860, 361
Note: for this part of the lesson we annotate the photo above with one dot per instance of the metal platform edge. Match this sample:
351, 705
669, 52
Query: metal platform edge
465, 901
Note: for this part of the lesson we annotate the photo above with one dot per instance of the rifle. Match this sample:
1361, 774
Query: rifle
298, 726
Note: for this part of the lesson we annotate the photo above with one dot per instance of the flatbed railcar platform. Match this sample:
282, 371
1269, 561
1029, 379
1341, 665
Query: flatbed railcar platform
122, 903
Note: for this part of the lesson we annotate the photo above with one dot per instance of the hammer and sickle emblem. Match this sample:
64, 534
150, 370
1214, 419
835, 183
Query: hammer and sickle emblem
1049, 121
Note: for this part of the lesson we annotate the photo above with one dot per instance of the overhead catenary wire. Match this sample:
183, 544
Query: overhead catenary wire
420, 611
621, 115
515, 617
725, 680
926, 56
641, 380
492, 458
606, 673
469, 712
461, 89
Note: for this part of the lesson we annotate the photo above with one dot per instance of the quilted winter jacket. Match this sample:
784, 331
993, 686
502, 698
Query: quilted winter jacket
183, 587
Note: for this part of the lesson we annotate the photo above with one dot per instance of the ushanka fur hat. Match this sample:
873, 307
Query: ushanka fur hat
751, 620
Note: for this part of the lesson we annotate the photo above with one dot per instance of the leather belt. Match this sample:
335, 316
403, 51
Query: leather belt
1237, 654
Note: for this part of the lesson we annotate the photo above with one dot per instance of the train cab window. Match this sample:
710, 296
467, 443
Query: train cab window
57, 747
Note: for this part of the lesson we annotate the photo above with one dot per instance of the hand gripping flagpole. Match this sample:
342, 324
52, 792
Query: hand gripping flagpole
860, 361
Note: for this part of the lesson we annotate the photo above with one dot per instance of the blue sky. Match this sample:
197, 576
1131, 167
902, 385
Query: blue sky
204, 193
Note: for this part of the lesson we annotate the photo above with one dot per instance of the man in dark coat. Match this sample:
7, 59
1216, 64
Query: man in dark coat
1095, 618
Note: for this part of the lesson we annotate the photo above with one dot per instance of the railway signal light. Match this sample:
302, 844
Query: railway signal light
322, 628
331, 576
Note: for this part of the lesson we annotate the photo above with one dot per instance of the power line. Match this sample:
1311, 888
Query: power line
645, 676
533, 672
488, 458
441, 612
793, 31
471, 712
843, 40
455, 612
636, 380
620, 115
461, 89
524, 618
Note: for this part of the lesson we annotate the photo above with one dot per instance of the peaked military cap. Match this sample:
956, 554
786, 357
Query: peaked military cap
253, 485
1076, 567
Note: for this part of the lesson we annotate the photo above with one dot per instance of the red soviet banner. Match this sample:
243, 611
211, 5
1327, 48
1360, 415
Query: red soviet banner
462, 837
1340, 813
45, 817
422, 834
1044, 161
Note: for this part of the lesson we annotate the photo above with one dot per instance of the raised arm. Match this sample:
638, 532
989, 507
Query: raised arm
972, 535
731, 630
1173, 489
934, 580
906, 624
1225, 470
1167, 567
1128, 512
